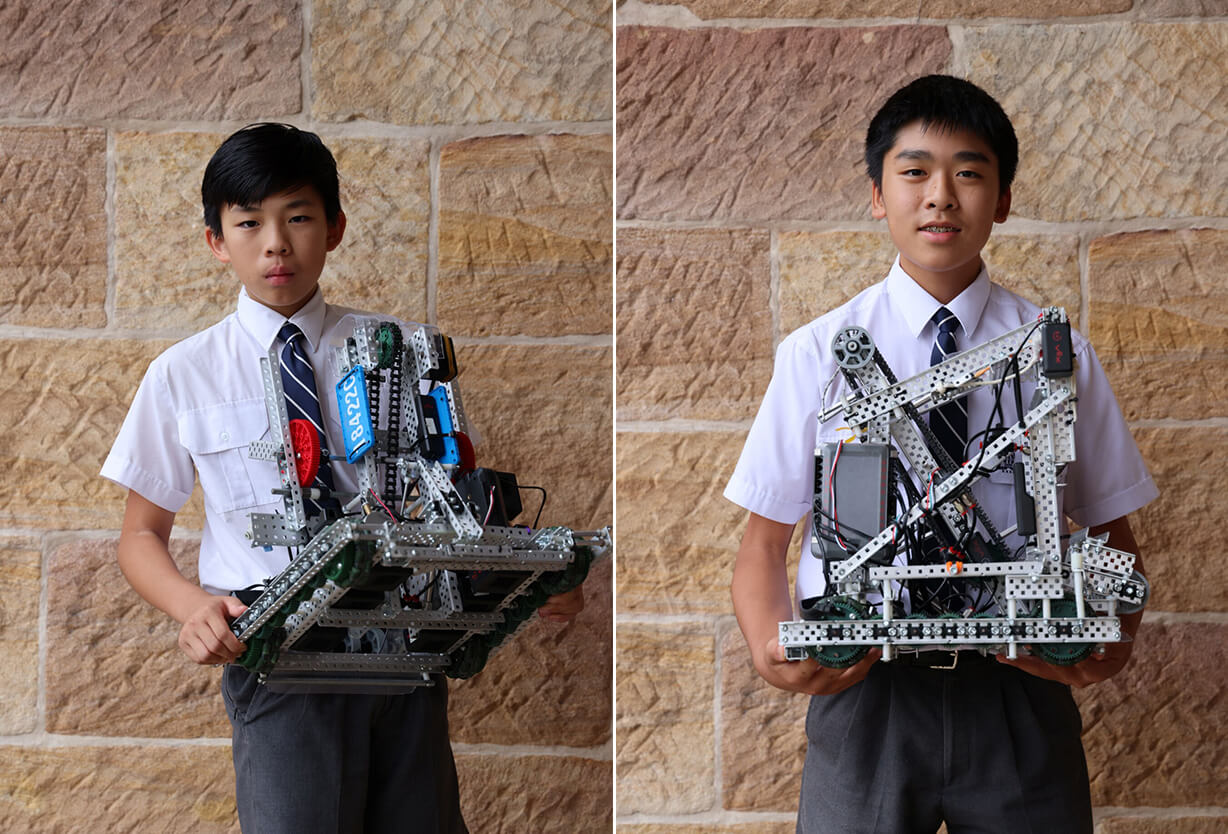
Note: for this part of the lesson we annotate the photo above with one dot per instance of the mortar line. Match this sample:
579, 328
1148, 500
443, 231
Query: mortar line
108, 207
718, 727
40, 696
956, 35
1013, 226
306, 81
1085, 287
774, 302
634, 13
432, 234
599, 753
358, 128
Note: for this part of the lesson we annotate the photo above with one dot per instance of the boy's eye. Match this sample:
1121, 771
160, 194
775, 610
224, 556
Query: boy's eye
247, 224
300, 218
969, 174
914, 172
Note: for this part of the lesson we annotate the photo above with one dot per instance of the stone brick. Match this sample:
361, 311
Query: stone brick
666, 736
53, 258
509, 794
763, 734
20, 574
114, 667
1115, 120
1181, 8
1164, 825
544, 412
150, 60
158, 225
1146, 730
549, 685
722, 124
381, 264
677, 535
1159, 320
821, 270
694, 323
708, 828
62, 401
861, 9
386, 196
464, 62
525, 236
188, 789
1173, 531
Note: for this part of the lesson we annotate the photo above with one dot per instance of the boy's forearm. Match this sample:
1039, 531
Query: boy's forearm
760, 588
145, 559
147, 564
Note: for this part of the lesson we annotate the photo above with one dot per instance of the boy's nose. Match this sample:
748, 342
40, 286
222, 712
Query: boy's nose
941, 195
277, 246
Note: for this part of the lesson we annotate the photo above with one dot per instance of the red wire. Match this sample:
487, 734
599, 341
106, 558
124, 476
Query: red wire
381, 503
835, 517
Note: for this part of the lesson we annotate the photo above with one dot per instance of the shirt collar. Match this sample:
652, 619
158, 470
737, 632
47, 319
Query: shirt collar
916, 306
263, 323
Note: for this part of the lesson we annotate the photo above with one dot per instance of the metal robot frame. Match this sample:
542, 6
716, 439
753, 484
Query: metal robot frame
377, 599
1059, 603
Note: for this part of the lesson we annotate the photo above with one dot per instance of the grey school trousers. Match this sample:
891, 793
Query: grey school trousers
984, 747
348, 764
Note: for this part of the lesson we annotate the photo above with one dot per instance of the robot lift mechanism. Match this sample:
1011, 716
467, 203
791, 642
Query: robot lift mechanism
377, 599
1058, 604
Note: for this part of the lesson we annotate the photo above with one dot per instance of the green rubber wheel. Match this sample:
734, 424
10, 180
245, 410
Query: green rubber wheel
341, 565
559, 582
387, 344
469, 659
251, 656
841, 657
1062, 654
363, 551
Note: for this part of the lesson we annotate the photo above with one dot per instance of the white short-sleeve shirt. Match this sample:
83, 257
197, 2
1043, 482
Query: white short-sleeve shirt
198, 408
774, 476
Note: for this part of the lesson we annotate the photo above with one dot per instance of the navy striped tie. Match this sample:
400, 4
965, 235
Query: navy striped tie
949, 422
303, 403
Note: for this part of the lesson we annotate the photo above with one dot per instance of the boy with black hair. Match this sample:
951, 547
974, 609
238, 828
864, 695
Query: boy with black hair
303, 762
985, 744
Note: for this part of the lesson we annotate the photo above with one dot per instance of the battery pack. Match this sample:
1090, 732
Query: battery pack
850, 502
1058, 353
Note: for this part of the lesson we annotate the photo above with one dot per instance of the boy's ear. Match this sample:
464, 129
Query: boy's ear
336, 231
217, 245
878, 209
1003, 209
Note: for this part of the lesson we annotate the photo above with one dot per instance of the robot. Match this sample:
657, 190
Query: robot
421, 571
887, 532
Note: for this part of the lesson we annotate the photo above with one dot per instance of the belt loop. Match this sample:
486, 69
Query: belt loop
954, 662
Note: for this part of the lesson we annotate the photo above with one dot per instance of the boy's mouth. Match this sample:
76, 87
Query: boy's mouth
279, 275
940, 228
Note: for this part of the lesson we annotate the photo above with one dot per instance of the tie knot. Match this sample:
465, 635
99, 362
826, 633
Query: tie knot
288, 331
946, 321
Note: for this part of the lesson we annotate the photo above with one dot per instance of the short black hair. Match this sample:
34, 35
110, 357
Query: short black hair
265, 159
947, 103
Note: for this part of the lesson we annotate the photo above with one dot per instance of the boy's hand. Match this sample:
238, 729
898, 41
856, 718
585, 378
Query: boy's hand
808, 675
1098, 667
563, 608
206, 636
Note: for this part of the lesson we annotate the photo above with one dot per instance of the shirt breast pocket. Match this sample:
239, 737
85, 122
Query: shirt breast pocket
218, 439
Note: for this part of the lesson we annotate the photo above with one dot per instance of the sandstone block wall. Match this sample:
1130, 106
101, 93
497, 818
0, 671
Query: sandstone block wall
475, 147
742, 213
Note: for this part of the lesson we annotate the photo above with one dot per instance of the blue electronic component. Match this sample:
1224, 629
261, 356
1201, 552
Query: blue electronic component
355, 414
440, 443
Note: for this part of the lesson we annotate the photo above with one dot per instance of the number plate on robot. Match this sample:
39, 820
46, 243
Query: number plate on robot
355, 414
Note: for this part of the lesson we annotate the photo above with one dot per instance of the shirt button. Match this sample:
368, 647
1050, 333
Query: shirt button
224, 436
